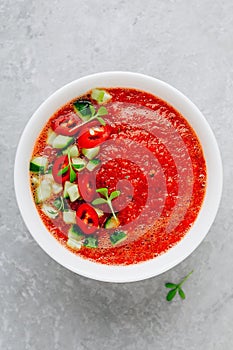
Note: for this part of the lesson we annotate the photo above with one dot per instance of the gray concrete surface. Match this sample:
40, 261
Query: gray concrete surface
45, 44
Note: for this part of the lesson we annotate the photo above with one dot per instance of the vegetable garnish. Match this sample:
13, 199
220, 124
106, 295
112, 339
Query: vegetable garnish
66, 172
176, 288
101, 96
108, 200
88, 113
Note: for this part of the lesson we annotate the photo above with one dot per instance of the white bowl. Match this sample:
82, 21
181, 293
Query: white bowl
149, 268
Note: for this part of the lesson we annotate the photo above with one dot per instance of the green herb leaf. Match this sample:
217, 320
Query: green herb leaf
92, 109
95, 161
171, 294
99, 201
103, 191
77, 166
72, 175
170, 285
63, 170
102, 122
181, 293
57, 202
102, 111
52, 212
114, 194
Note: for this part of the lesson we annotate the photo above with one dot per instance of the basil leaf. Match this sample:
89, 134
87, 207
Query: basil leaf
181, 293
102, 111
77, 166
72, 175
92, 109
103, 191
170, 285
171, 294
63, 170
102, 122
99, 201
114, 194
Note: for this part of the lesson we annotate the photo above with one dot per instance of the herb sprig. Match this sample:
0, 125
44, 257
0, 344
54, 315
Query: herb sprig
176, 288
107, 200
93, 115
71, 166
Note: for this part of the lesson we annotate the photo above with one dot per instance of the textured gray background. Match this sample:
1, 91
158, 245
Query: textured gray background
46, 44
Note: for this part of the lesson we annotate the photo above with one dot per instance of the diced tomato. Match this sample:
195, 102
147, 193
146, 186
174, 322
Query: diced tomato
59, 164
86, 184
66, 124
87, 218
94, 136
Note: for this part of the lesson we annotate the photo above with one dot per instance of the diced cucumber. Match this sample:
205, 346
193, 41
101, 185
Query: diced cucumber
91, 242
67, 185
92, 164
79, 163
57, 188
111, 222
51, 137
118, 237
75, 233
39, 164
49, 211
101, 96
73, 192
90, 153
73, 150
48, 177
82, 108
43, 191
99, 212
72, 243
35, 181
62, 141
69, 216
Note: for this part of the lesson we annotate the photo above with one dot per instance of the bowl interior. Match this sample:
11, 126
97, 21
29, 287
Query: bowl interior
206, 215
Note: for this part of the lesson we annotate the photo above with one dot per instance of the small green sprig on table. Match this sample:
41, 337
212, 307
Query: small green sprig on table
176, 288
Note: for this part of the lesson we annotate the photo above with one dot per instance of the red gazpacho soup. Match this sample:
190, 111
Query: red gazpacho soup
118, 176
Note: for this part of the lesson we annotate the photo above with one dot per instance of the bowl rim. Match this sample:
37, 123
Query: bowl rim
149, 268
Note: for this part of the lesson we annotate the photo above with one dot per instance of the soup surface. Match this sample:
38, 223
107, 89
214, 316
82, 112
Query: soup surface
118, 176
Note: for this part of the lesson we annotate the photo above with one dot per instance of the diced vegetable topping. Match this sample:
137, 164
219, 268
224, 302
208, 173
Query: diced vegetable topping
39, 164
82, 108
69, 216
43, 191
51, 137
62, 141
73, 150
67, 185
91, 153
75, 233
112, 223
78, 163
101, 96
49, 211
99, 212
56, 188
72, 243
92, 164
73, 192
91, 242
117, 237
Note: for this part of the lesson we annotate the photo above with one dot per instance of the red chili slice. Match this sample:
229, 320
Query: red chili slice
66, 124
86, 184
59, 164
94, 136
87, 219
